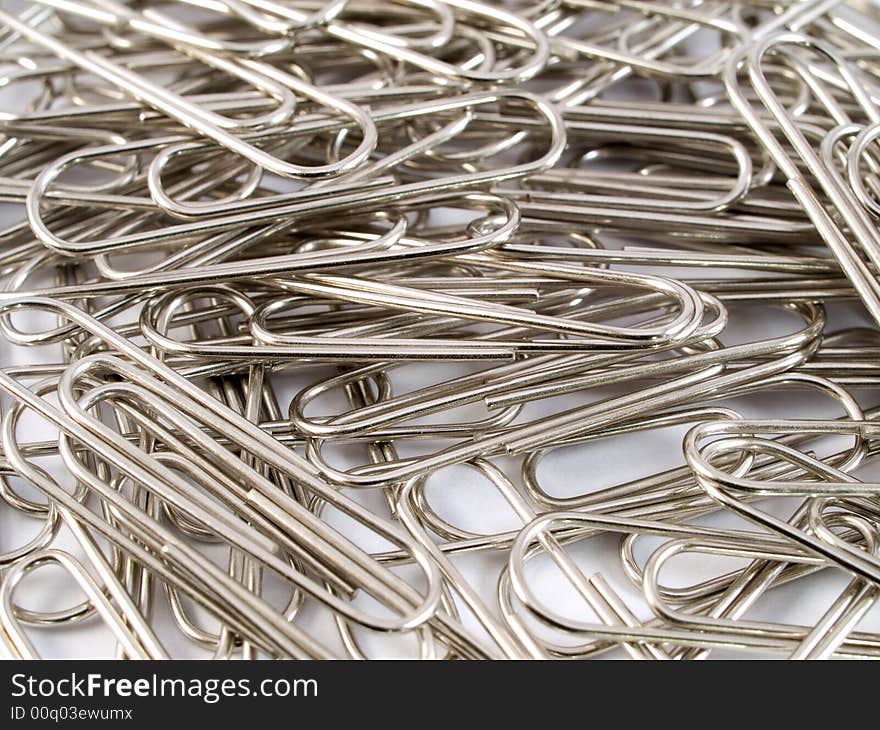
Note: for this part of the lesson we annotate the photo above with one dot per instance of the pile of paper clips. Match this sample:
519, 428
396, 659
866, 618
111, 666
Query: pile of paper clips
283, 261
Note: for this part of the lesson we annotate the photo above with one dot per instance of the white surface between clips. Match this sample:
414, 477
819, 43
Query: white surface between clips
468, 501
